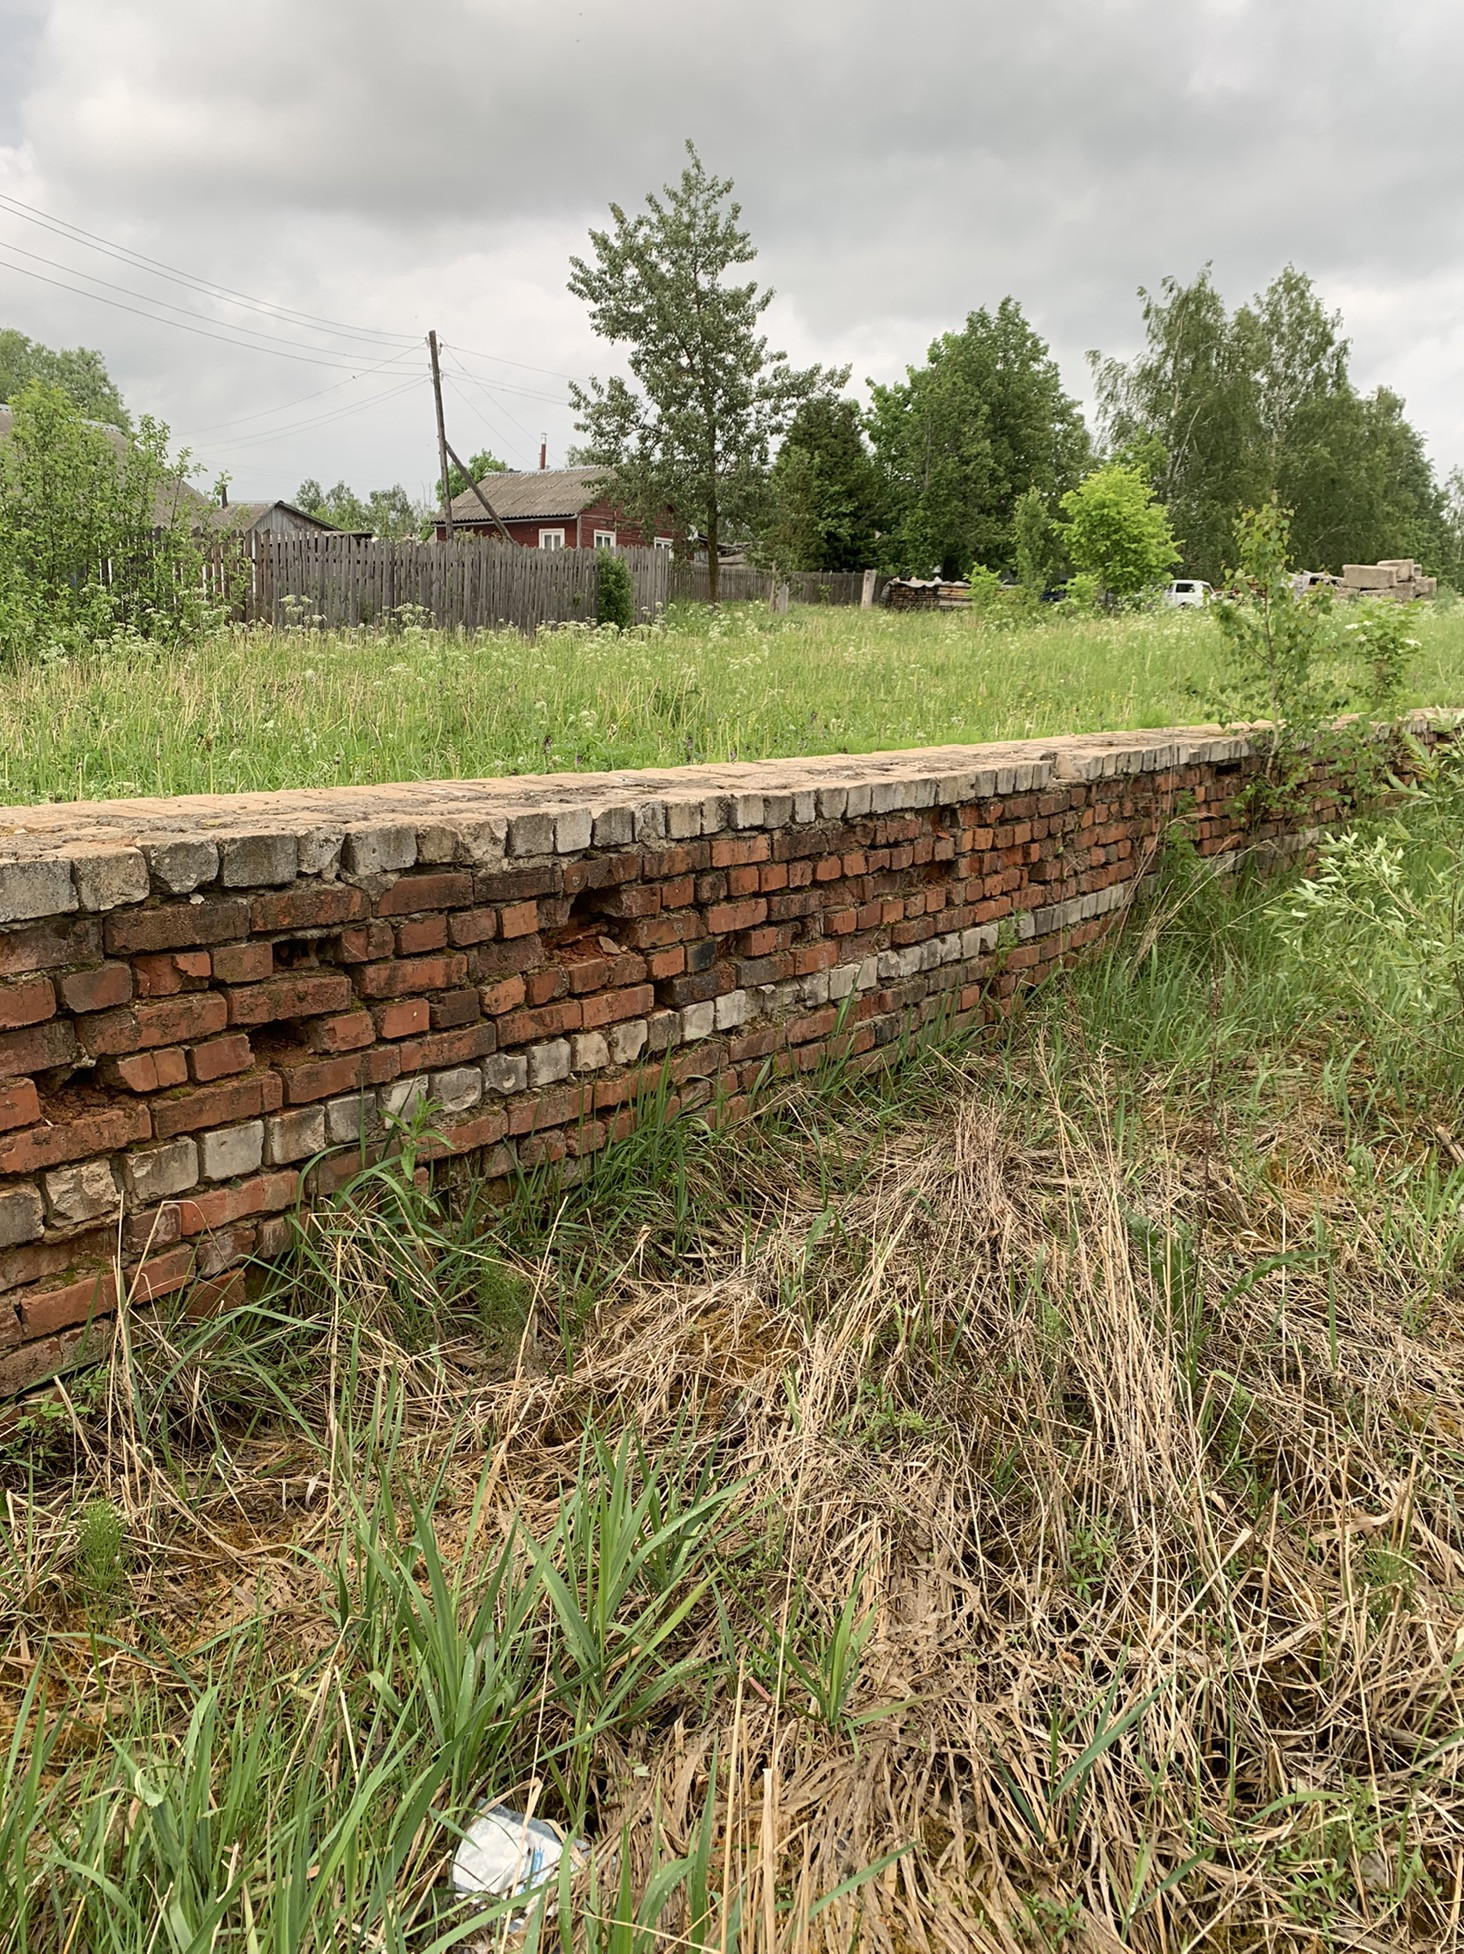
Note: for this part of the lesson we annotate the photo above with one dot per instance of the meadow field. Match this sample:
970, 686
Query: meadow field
248, 710
1009, 1503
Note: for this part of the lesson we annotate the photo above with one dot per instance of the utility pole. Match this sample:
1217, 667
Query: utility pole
441, 436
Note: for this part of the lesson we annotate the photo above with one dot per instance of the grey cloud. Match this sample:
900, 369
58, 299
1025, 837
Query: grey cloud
898, 166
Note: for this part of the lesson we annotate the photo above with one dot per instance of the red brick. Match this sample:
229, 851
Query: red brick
666, 963
19, 1105
544, 986
147, 1071
164, 1021
483, 1130
417, 974
472, 926
366, 943
724, 917
347, 1033
243, 963
413, 894
505, 996
160, 1276
738, 853
421, 935
171, 971
51, 1145
30, 1000
678, 893
48, 945
309, 905
609, 1007
37, 1049
327, 1078
455, 1008
551, 1022
305, 994
518, 919
101, 989
444, 1048
226, 1105
402, 1019
221, 1056
58, 1309
176, 925
221, 1207
529, 1115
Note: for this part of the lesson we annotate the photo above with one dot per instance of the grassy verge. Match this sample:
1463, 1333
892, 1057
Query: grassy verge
1033, 1476
263, 710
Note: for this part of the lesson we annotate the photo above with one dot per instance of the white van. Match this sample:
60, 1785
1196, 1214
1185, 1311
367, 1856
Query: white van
1187, 594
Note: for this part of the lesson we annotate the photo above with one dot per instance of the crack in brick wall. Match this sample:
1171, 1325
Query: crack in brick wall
201, 997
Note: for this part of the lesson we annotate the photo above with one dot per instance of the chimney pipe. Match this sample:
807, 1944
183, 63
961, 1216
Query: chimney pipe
543, 450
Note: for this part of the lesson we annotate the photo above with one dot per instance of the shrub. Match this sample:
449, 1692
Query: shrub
92, 542
1117, 532
615, 601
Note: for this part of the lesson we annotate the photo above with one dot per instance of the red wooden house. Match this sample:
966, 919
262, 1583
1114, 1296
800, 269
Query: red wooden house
553, 509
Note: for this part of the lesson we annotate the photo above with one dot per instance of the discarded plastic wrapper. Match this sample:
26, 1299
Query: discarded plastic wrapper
506, 1852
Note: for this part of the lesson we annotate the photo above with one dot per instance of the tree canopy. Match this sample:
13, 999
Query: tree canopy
79, 371
1117, 533
824, 492
384, 512
696, 430
961, 438
1232, 409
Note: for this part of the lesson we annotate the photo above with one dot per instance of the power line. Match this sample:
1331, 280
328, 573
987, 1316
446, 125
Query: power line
307, 359
325, 420
214, 427
62, 228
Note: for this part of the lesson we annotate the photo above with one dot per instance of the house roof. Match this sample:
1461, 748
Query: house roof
172, 493
536, 494
251, 515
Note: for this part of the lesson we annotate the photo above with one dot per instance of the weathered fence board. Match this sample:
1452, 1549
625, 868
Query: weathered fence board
344, 581
740, 585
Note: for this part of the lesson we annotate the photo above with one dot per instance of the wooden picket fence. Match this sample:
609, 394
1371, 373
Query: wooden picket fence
336, 582
738, 584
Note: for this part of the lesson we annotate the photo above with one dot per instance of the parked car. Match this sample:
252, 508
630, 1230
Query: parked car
1187, 594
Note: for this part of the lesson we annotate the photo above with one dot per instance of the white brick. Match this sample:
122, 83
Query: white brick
86, 1191
380, 850
628, 1041
548, 1063
294, 1136
346, 1118
833, 803
155, 1173
573, 830
233, 1151
180, 867
614, 827
591, 1053
30, 889
663, 1030
505, 1072
22, 1216
842, 980
255, 861
683, 820
747, 810
731, 1010
458, 1091
104, 881
805, 805
320, 852
650, 821
402, 1097
868, 977
698, 1020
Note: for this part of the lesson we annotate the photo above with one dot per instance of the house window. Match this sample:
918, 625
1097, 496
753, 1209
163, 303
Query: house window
604, 539
665, 542
551, 539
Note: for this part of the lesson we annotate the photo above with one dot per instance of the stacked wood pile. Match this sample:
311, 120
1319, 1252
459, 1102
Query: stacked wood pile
926, 594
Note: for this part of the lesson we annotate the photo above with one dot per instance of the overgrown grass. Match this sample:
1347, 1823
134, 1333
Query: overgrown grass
1042, 1464
263, 710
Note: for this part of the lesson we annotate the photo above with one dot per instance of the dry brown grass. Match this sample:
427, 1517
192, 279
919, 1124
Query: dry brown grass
1150, 1516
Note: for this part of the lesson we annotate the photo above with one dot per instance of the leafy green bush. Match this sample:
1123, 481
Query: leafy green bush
615, 602
95, 533
1117, 532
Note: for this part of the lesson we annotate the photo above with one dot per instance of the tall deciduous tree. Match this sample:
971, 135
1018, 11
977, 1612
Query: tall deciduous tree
961, 438
1117, 532
824, 493
1241, 408
696, 431
79, 371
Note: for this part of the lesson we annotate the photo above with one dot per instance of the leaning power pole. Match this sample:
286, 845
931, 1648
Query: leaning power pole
441, 436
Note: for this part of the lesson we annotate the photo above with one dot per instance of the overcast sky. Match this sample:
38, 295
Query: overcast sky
388, 168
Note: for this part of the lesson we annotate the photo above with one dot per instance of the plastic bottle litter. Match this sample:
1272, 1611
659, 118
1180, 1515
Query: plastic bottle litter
506, 1852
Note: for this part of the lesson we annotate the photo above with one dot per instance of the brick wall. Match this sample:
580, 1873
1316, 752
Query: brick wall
200, 996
